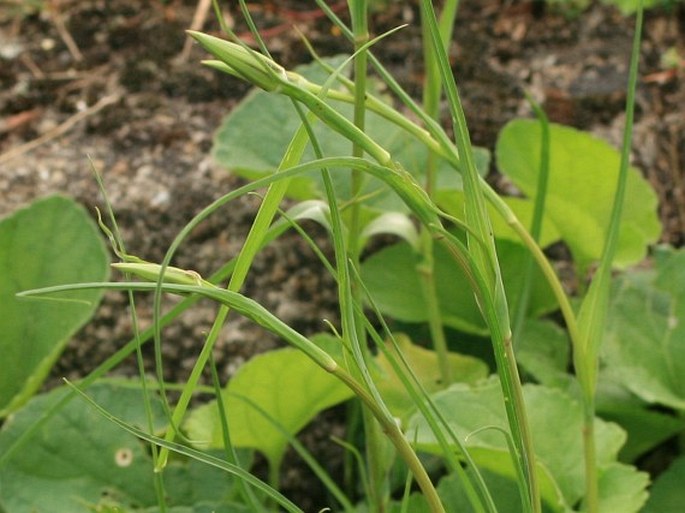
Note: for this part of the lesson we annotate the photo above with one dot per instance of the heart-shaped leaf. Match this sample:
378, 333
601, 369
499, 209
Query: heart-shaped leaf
580, 193
51, 242
283, 384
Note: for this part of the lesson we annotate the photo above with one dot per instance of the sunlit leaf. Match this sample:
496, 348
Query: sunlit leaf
622, 488
580, 193
286, 385
424, 364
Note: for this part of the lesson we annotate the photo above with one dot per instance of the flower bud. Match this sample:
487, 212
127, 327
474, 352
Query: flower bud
242, 62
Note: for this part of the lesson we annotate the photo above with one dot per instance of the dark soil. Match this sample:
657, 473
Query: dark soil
152, 139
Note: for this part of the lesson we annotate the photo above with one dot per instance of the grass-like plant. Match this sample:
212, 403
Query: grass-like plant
485, 432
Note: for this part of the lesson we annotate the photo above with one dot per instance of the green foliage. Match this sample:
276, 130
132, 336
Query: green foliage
392, 277
582, 181
668, 491
79, 461
266, 397
50, 242
477, 416
462, 262
254, 136
645, 342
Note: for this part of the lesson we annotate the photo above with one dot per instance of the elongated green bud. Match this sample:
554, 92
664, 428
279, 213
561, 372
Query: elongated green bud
149, 271
265, 73
242, 62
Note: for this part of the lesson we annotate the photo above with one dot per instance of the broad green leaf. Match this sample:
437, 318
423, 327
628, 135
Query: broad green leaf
543, 351
254, 136
668, 492
556, 422
286, 385
424, 364
52, 241
393, 280
78, 459
622, 488
645, 339
582, 181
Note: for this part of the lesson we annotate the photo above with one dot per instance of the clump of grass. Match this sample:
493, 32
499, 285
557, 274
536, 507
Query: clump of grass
474, 252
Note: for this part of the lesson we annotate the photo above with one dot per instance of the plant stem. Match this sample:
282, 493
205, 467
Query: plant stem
484, 259
521, 308
253, 243
426, 269
399, 441
374, 453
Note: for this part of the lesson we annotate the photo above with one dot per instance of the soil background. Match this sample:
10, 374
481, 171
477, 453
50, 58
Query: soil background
117, 74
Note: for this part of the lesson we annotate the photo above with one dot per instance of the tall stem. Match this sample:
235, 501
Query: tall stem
426, 269
373, 436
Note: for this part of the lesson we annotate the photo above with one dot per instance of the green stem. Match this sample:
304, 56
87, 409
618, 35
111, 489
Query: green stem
374, 444
521, 308
252, 244
358, 11
431, 104
590, 458
485, 260
399, 441
595, 306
